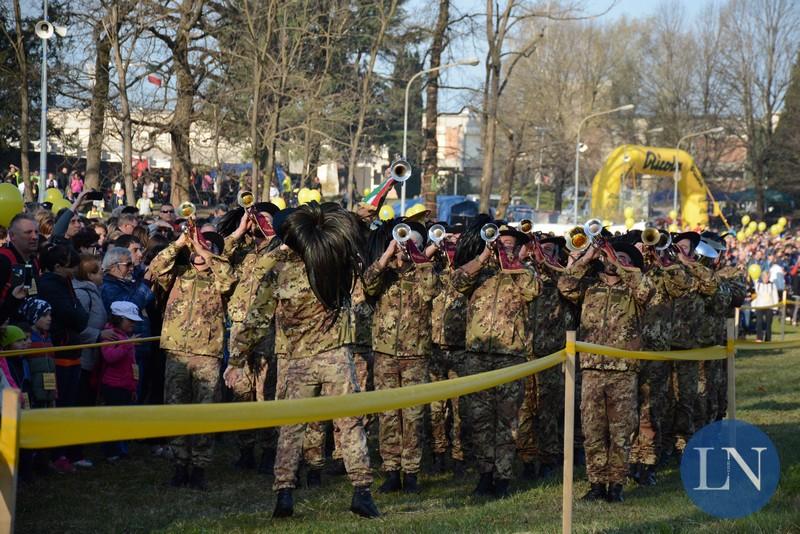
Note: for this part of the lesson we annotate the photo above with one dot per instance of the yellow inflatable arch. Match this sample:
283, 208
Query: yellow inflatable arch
625, 159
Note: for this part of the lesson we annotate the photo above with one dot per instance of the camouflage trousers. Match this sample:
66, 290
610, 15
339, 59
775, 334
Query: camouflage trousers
653, 385
539, 433
327, 374
257, 384
316, 432
444, 365
192, 379
401, 431
712, 394
492, 415
682, 398
609, 418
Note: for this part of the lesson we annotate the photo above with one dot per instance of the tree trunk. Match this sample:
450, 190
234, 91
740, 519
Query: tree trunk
182, 118
430, 149
507, 182
97, 116
24, 103
124, 109
254, 136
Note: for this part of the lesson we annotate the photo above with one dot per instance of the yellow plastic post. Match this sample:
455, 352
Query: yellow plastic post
9, 456
730, 347
783, 316
569, 432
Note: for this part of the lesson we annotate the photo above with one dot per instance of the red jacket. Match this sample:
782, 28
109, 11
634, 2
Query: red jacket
119, 362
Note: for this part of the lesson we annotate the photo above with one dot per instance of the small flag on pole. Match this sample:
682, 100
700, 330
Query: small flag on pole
155, 80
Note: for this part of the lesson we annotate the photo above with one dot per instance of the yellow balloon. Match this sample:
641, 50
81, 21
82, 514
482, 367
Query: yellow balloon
386, 213
673, 214
749, 232
762, 226
628, 212
59, 204
673, 227
775, 230
740, 237
11, 203
315, 195
366, 192
752, 225
279, 202
782, 221
754, 271
52, 194
629, 222
745, 220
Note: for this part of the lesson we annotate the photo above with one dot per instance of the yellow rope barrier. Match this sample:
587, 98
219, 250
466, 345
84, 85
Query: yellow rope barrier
708, 353
47, 350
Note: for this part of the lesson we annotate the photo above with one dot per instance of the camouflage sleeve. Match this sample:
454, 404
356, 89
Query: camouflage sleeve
224, 277
678, 281
231, 246
529, 286
429, 285
705, 282
259, 315
163, 264
641, 286
373, 280
463, 282
569, 283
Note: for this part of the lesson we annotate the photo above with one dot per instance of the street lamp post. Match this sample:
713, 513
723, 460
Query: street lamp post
676, 173
578, 149
472, 62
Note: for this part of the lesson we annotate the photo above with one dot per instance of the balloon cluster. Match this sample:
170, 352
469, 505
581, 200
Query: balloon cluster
750, 227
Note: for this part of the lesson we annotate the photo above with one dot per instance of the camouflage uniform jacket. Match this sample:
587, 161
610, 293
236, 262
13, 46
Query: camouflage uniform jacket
731, 292
303, 327
362, 312
497, 313
249, 272
449, 314
194, 317
610, 314
690, 310
401, 325
669, 283
548, 314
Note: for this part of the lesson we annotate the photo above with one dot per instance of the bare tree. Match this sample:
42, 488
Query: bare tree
97, 113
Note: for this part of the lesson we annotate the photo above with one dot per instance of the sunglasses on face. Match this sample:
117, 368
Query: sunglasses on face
167, 211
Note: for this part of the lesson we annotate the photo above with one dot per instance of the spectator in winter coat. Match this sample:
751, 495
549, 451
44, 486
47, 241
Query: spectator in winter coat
87, 283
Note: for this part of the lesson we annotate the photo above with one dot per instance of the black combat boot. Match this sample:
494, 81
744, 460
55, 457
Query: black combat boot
596, 493
547, 470
485, 485
459, 469
439, 463
314, 478
181, 477
284, 503
410, 483
614, 493
647, 476
198, 479
501, 488
247, 459
267, 463
336, 467
392, 482
529, 471
635, 472
362, 503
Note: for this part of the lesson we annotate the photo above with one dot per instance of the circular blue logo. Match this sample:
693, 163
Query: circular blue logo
730, 469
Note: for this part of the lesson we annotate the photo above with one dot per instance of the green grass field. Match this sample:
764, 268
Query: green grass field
131, 496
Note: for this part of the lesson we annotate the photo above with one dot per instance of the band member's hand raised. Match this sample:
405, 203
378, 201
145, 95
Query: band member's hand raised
391, 250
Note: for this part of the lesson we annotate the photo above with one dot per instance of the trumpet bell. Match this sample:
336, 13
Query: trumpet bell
490, 232
246, 199
664, 241
577, 240
400, 170
186, 209
651, 236
593, 227
401, 233
526, 226
436, 233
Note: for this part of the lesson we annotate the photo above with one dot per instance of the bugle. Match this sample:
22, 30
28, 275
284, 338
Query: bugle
400, 170
401, 233
436, 234
246, 199
490, 233
526, 226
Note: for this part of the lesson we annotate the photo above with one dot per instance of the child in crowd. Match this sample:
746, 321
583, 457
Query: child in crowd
119, 373
11, 338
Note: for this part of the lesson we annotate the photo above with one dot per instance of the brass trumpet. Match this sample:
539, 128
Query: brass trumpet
246, 199
651, 236
526, 226
490, 233
187, 210
436, 234
581, 237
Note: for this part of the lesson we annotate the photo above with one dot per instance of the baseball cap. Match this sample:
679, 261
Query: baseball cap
125, 309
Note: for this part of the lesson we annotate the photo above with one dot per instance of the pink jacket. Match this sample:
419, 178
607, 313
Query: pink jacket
119, 362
